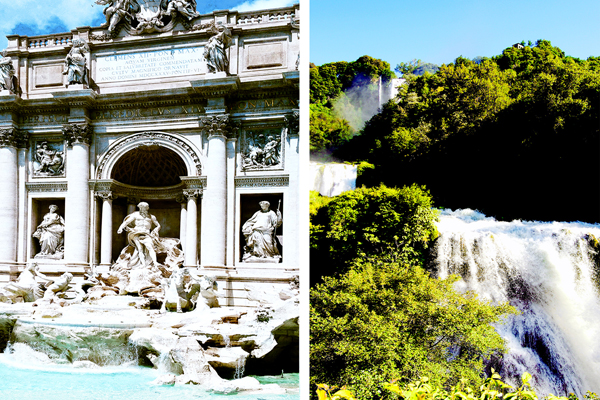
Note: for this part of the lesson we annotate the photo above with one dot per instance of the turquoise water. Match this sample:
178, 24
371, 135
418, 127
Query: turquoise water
64, 382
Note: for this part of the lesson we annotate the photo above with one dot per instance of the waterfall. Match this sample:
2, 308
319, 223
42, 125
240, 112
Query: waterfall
331, 179
550, 271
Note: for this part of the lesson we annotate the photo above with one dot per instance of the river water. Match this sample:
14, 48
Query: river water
550, 271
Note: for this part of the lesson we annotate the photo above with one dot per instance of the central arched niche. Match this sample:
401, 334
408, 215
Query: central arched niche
149, 166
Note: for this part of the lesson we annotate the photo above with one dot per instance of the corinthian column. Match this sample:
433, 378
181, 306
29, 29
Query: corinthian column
214, 199
106, 228
191, 234
8, 195
77, 202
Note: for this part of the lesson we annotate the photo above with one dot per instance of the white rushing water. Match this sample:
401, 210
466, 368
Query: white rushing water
332, 179
549, 271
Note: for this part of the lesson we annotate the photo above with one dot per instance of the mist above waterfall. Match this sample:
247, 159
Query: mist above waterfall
547, 270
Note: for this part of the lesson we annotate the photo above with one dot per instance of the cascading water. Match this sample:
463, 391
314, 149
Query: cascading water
550, 271
331, 179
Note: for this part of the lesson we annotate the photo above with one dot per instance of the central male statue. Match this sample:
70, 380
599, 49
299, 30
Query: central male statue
141, 236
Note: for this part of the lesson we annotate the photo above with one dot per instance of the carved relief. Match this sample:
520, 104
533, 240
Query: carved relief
8, 80
76, 67
77, 133
49, 159
261, 149
215, 51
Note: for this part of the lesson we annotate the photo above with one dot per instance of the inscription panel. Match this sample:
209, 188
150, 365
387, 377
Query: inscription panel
265, 56
48, 75
151, 64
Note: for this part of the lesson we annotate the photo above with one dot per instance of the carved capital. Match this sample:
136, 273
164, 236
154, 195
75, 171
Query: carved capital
192, 194
8, 137
292, 122
105, 195
77, 133
216, 125
22, 139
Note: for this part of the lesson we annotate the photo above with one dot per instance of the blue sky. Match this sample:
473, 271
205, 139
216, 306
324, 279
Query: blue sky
438, 31
38, 17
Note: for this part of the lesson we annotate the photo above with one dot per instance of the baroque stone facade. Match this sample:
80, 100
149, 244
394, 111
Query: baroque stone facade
195, 115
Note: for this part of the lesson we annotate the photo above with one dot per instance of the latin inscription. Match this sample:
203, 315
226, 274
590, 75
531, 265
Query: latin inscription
265, 103
146, 112
151, 64
45, 119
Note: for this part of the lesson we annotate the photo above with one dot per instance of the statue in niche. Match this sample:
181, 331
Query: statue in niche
144, 240
8, 80
186, 8
51, 161
261, 152
215, 50
50, 233
76, 64
116, 11
259, 232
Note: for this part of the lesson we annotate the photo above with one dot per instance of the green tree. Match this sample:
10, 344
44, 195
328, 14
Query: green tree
326, 130
371, 221
386, 319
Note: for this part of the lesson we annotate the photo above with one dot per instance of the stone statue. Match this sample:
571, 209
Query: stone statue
183, 292
26, 285
76, 64
145, 241
50, 233
259, 232
215, 50
60, 285
187, 8
8, 80
51, 161
116, 11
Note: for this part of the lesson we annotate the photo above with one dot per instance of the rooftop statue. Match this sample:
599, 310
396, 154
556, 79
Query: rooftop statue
8, 80
186, 8
76, 64
215, 50
117, 10
50, 233
260, 235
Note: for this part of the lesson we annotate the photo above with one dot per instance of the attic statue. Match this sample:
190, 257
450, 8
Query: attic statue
8, 80
76, 64
215, 51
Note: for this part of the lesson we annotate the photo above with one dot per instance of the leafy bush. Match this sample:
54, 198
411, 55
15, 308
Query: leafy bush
385, 319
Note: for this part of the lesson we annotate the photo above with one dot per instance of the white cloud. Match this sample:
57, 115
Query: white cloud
40, 14
264, 4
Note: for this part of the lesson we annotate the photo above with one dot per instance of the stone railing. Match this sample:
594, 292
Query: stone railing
250, 18
50, 40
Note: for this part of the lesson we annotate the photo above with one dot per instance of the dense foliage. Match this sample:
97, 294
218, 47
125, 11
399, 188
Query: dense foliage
515, 136
340, 92
423, 389
368, 222
385, 319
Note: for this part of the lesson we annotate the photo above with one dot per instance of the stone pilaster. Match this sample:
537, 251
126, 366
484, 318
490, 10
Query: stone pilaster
23, 145
291, 238
182, 220
77, 203
231, 157
106, 227
8, 194
191, 235
214, 200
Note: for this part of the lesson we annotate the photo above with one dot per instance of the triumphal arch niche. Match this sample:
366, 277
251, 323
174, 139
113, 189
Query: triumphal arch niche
195, 116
